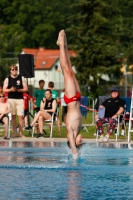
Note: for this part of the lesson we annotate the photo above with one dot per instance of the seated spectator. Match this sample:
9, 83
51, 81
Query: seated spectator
114, 106
47, 107
5, 108
55, 96
37, 97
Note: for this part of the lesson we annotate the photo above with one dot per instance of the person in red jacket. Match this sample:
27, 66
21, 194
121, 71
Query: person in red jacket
5, 94
26, 98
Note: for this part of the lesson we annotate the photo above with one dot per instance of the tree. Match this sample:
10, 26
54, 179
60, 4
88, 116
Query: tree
95, 30
6, 45
29, 24
38, 22
126, 38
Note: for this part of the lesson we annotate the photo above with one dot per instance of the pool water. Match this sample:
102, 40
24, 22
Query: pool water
46, 170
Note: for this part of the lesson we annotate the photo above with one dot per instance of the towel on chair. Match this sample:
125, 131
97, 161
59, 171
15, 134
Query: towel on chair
101, 113
128, 103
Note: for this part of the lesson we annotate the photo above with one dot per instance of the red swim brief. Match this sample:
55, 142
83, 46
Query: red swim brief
74, 98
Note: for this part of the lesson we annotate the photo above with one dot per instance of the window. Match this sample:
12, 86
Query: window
43, 63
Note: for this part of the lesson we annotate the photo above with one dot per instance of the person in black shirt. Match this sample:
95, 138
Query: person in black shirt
47, 108
114, 107
15, 85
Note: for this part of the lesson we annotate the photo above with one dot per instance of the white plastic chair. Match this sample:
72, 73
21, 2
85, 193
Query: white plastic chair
49, 122
120, 123
9, 123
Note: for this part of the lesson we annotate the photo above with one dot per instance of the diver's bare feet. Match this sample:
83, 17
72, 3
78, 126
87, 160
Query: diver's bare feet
22, 136
59, 132
14, 136
61, 39
75, 156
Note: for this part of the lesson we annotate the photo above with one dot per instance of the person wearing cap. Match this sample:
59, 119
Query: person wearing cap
114, 106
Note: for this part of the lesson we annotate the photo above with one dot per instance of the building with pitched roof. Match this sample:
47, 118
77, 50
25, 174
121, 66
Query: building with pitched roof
47, 66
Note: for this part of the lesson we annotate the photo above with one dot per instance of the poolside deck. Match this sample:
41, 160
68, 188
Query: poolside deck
29, 139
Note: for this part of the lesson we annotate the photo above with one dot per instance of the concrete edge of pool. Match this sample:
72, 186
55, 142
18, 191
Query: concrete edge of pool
29, 139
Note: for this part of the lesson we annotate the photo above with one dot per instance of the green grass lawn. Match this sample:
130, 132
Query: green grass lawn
85, 134
85, 120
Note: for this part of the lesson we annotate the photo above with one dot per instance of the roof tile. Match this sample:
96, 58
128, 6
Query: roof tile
45, 58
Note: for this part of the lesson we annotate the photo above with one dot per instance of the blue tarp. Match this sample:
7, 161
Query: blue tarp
128, 103
84, 101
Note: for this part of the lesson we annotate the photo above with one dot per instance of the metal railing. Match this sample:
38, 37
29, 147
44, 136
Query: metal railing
87, 111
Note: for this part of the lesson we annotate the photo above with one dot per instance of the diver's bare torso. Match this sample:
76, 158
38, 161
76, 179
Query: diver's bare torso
73, 118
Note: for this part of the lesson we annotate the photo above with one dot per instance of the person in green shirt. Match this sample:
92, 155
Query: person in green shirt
38, 96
